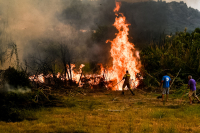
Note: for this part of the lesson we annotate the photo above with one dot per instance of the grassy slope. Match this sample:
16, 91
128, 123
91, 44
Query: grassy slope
110, 112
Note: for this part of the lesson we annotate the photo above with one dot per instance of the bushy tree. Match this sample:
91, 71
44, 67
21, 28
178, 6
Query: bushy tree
179, 51
16, 78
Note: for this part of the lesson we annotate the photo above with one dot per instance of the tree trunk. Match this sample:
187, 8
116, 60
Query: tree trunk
17, 58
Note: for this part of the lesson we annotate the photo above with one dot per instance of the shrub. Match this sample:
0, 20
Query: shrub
16, 78
14, 106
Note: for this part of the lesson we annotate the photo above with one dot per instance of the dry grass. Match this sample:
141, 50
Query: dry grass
110, 112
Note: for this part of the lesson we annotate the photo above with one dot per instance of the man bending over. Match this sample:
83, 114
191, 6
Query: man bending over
192, 85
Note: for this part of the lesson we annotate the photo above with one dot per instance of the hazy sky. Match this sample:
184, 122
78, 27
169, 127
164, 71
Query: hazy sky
191, 3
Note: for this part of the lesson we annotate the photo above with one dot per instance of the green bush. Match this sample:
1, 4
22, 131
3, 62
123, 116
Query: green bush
180, 51
17, 106
16, 78
14, 106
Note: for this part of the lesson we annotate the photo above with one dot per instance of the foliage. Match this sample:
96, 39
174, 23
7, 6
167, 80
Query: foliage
18, 106
13, 106
159, 17
16, 78
100, 113
179, 51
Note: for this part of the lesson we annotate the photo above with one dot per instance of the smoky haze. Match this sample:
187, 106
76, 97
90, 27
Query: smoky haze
28, 21
25, 20
36, 25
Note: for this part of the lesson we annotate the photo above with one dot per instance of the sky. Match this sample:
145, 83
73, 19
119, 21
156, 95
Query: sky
191, 3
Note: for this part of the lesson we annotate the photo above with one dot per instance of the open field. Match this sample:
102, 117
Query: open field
111, 112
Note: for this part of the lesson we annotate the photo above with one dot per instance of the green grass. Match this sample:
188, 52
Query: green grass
159, 114
99, 113
163, 129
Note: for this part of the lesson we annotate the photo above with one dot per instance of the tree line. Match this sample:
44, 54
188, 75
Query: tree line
175, 52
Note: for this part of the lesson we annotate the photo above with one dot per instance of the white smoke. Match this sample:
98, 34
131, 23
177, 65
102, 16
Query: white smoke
10, 88
25, 20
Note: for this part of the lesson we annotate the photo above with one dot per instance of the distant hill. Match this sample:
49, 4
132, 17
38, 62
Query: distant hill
153, 15
149, 19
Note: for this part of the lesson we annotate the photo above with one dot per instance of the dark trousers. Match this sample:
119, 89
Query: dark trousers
124, 85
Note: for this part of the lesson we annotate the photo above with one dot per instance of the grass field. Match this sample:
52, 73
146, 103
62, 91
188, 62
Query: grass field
110, 112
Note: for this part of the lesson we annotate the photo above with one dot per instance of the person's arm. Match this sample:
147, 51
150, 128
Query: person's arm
161, 83
188, 84
170, 82
124, 77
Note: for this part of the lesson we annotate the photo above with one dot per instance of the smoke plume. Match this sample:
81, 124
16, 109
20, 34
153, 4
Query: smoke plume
27, 21
33, 25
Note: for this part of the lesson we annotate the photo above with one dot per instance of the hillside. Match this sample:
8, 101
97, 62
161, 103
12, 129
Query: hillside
151, 19
148, 19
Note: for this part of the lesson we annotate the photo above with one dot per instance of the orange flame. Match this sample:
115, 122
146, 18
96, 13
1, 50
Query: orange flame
117, 6
124, 55
122, 51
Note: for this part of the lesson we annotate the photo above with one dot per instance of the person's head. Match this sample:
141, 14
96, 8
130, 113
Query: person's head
189, 77
126, 71
165, 73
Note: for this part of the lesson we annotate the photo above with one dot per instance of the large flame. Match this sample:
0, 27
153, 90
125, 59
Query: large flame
124, 55
122, 51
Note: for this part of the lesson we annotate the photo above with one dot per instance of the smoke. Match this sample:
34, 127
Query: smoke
10, 88
30, 23
24, 21
27, 19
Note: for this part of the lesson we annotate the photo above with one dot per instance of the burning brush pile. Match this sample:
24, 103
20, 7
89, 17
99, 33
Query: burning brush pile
124, 55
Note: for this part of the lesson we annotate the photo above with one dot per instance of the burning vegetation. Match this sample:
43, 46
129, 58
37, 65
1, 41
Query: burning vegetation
61, 86
124, 55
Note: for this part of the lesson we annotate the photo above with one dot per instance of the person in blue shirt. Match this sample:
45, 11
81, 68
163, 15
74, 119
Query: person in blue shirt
166, 81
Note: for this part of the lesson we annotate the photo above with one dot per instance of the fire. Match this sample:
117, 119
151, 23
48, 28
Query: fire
117, 7
124, 55
122, 51
39, 78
